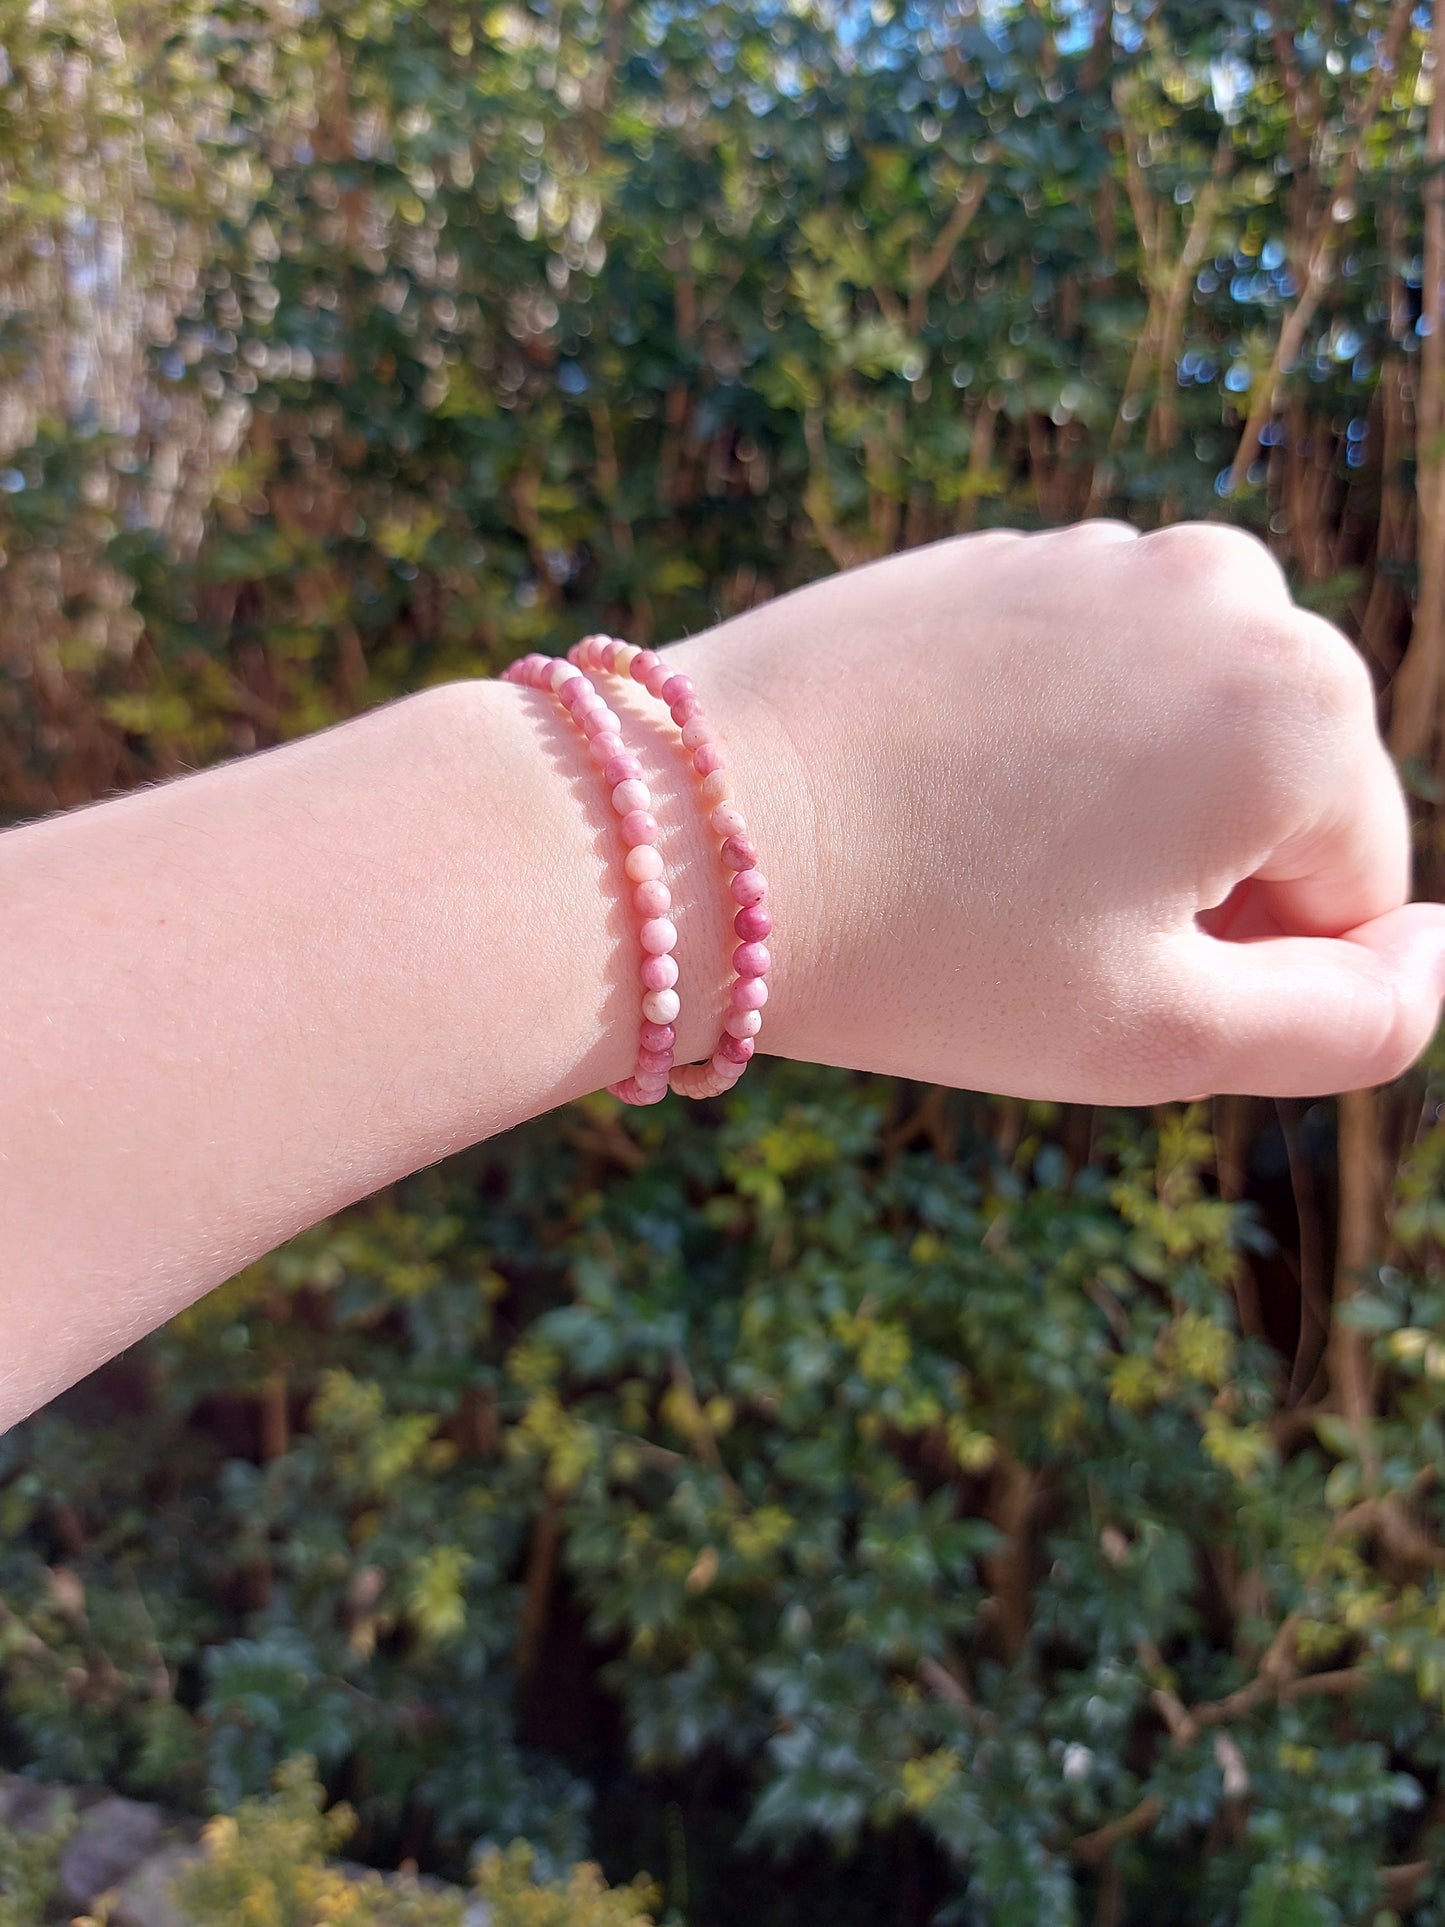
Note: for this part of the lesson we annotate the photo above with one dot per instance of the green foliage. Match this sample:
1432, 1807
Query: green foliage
29, 1863
905, 1497
269, 1864
900, 1500
505, 1882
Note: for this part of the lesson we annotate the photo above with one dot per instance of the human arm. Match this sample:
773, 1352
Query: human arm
994, 782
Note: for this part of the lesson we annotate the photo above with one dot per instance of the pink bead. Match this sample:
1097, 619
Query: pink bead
685, 714
724, 1073
594, 721
638, 827
643, 864
661, 1006
644, 661
727, 821
714, 788
748, 886
651, 1083
655, 678
707, 758
560, 673
619, 767
652, 899
659, 973
743, 1023
652, 1061
659, 1036
631, 795
603, 748
739, 853
695, 1080
659, 934
752, 923
752, 960
737, 1050
748, 993
573, 690
675, 688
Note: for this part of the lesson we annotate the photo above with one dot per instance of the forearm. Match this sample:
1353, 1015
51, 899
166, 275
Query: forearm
237, 1002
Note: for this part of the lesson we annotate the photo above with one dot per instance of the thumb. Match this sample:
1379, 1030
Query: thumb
1303, 1016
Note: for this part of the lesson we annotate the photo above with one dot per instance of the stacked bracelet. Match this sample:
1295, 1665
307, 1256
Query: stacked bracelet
631, 800
743, 1016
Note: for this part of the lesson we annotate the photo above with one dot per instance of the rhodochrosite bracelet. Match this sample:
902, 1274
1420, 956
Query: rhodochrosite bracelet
631, 801
747, 886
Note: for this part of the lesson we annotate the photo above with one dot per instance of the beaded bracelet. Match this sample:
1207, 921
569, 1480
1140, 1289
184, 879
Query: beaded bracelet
747, 885
621, 771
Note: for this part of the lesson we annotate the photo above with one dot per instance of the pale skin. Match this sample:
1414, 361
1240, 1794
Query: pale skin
1002, 787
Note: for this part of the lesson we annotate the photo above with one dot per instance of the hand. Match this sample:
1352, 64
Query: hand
1095, 816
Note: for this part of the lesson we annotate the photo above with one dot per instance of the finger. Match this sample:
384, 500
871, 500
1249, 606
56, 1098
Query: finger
1352, 865
1303, 1016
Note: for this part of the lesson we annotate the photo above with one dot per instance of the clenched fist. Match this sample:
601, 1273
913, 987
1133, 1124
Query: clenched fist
1084, 815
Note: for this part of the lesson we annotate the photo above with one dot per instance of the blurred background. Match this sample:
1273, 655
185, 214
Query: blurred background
853, 1500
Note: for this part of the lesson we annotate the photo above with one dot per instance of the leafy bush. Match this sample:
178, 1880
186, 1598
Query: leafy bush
932, 1497
268, 1864
29, 1869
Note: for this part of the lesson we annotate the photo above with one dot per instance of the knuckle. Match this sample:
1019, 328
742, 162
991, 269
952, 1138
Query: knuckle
1216, 552
1338, 675
1098, 528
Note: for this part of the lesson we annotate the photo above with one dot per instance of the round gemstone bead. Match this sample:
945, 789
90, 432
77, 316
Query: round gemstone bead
675, 688
605, 747
643, 864
660, 972
653, 1061
661, 1006
643, 663
743, 1023
658, 1036
727, 821
748, 886
748, 993
714, 788
739, 852
621, 766
573, 690
688, 715
737, 1050
638, 827
659, 934
752, 960
707, 758
631, 795
752, 923
652, 899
